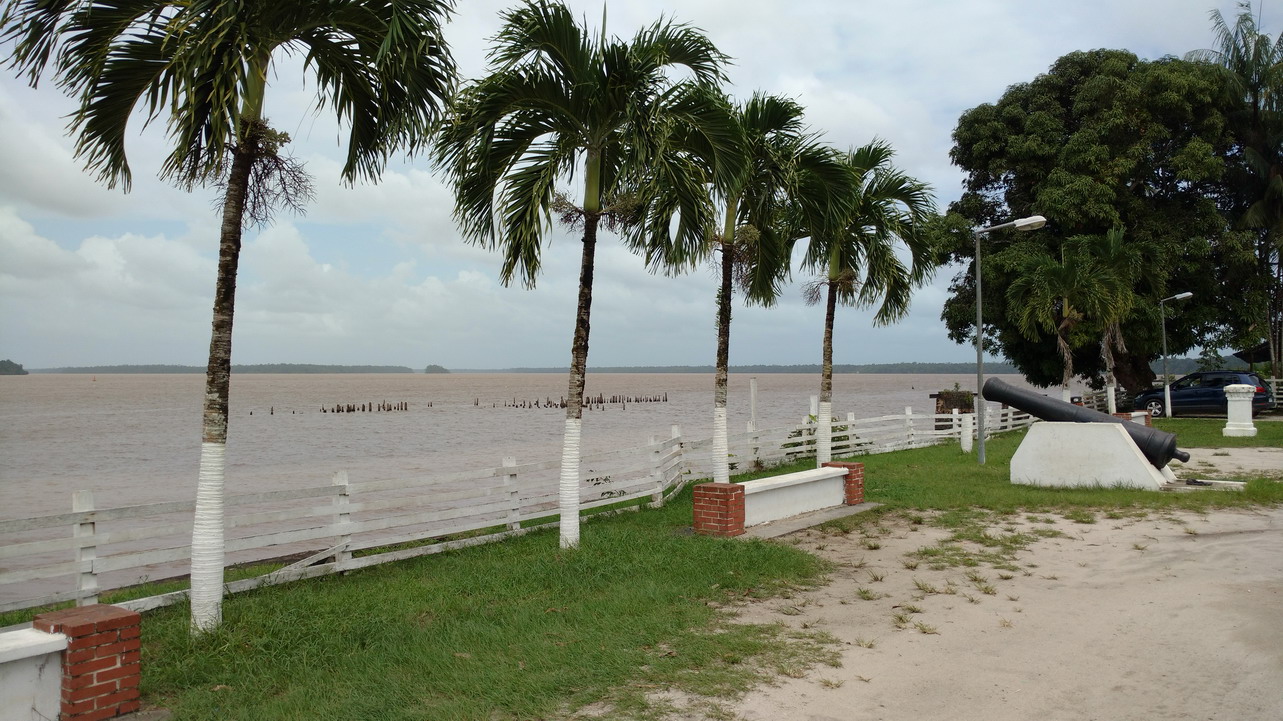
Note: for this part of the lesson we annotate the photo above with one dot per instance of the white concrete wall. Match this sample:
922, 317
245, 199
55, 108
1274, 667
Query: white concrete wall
771, 499
1082, 454
31, 674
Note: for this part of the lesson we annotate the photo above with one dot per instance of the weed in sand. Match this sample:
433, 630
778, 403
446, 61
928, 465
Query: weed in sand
976, 577
925, 628
910, 608
866, 643
1013, 598
865, 594
831, 683
872, 544
1080, 516
1005, 623
875, 577
924, 586
1006, 576
970, 598
1140, 546
901, 620
1191, 530
910, 565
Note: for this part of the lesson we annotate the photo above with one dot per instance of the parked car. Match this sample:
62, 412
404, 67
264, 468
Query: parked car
1204, 392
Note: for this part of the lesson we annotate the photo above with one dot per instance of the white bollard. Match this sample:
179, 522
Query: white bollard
968, 430
1238, 398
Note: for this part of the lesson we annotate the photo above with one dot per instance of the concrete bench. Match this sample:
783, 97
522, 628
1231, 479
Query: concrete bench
726, 509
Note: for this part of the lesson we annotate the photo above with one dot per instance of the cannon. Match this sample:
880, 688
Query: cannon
1158, 447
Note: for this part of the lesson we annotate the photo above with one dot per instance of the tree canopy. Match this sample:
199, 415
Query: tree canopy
1102, 141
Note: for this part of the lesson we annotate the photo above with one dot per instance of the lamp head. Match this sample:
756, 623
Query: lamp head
1033, 222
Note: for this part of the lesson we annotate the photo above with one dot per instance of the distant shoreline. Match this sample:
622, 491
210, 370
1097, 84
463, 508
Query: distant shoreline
298, 368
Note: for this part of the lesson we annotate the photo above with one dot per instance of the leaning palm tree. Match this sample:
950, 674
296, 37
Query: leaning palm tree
558, 99
860, 262
1058, 297
381, 65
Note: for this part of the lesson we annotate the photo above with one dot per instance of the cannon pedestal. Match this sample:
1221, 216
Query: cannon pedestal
1084, 454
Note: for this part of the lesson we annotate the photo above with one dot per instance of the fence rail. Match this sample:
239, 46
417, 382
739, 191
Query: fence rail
346, 525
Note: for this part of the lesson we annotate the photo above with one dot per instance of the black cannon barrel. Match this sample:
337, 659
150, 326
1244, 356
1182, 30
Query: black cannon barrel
1158, 446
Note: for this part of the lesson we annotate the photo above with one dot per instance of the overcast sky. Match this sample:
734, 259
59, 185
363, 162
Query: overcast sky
378, 274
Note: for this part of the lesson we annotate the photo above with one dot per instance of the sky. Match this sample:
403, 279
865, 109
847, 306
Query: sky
377, 273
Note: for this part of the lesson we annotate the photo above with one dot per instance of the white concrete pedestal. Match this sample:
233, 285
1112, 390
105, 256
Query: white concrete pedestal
1082, 454
1238, 402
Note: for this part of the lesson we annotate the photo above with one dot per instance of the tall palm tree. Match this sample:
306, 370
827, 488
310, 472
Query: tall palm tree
1253, 71
381, 65
558, 99
860, 262
1058, 297
779, 156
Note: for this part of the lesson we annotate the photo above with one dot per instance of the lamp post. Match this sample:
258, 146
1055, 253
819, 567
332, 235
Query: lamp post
1167, 379
1033, 222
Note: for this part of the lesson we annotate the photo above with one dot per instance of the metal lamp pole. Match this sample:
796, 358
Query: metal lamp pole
1167, 379
1033, 222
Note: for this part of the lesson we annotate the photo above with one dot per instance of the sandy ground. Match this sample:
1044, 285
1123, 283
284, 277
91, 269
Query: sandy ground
1167, 616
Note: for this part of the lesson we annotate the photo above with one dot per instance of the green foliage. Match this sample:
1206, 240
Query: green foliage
9, 368
1102, 141
436, 369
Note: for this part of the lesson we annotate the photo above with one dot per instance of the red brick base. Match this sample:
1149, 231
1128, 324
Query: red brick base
854, 481
719, 509
100, 668
1128, 417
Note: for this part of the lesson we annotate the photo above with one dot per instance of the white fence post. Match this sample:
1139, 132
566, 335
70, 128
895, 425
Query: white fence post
752, 404
514, 496
342, 519
967, 431
656, 472
909, 433
86, 552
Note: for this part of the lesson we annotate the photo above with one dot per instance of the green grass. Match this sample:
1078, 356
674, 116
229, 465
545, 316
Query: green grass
513, 630
1206, 433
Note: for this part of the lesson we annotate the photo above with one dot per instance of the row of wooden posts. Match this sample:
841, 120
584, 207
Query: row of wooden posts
369, 407
599, 401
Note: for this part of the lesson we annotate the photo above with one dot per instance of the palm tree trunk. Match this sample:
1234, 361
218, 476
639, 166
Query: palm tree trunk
568, 486
721, 449
207, 528
824, 441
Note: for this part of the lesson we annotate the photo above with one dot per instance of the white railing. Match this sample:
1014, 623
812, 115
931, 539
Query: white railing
347, 525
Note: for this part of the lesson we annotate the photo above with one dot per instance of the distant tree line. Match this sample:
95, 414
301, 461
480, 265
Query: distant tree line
9, 368
253, 368
906, 368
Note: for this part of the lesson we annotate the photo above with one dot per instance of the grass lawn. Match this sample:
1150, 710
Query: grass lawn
523, 630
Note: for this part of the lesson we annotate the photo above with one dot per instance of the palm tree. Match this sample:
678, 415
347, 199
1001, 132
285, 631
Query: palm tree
860, 263
1058, 297
1119, 265
778, 155
557, 99
1253, 71
382, 66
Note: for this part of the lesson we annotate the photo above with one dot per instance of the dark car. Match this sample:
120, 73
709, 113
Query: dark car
1204, 392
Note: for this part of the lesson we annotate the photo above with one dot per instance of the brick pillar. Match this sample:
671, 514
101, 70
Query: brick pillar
854, 481
100, 668
719, 509
1128, 416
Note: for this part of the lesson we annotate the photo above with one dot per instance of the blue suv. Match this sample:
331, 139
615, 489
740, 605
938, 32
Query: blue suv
1204, 392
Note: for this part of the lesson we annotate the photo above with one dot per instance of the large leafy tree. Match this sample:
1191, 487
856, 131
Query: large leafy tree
862, 261
203, 65
1102, 140
557, 100
1251, 65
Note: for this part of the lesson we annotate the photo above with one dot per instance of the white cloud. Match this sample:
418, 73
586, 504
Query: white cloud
377, 273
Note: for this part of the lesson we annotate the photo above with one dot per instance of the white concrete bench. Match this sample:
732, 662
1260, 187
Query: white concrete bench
726, 509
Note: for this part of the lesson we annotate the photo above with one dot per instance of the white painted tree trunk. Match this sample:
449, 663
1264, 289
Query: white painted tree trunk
721, 452
1064, 394
568, 487
824, 434
1111, 398
207, 540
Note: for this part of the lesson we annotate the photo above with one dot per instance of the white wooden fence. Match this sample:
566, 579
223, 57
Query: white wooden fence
348, 525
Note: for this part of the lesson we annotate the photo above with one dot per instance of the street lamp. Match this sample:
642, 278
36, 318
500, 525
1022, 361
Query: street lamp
1033, 222
1167, 380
